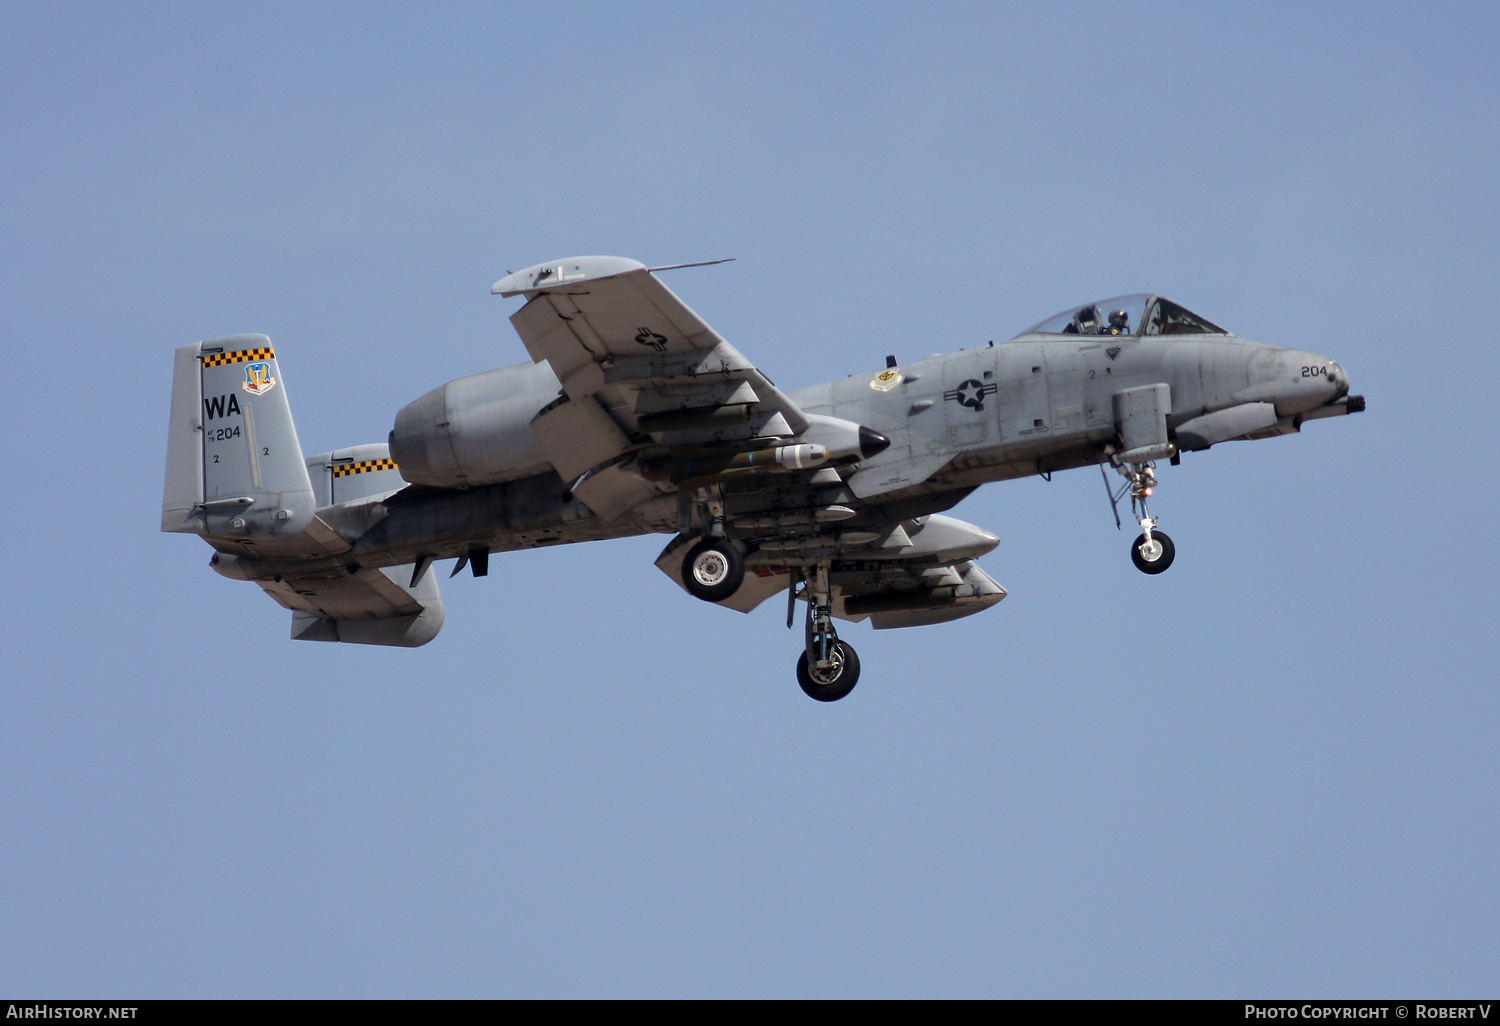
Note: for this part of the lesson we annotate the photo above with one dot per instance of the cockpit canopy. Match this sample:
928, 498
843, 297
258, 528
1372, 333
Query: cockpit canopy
1140, 314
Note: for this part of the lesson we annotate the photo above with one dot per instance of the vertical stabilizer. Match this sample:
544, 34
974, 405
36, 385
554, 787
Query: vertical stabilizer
234, 466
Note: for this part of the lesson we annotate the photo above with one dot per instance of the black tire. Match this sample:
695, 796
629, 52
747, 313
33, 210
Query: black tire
832, 686
713, 570
1163, 559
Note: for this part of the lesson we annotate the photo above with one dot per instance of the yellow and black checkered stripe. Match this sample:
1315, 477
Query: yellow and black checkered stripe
362, 467
219, 359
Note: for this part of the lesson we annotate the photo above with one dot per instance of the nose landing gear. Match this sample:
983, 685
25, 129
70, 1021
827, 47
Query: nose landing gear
1153, 551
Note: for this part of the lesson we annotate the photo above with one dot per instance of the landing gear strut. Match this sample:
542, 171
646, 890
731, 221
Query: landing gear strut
713, 568
828, 668
1153, 551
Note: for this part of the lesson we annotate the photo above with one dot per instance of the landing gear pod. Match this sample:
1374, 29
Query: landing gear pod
713, 570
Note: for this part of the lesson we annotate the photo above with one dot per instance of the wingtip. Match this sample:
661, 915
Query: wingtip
569, 271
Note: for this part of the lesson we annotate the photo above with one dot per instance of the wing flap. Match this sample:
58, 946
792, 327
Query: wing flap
639, 369
579, 435
614, 491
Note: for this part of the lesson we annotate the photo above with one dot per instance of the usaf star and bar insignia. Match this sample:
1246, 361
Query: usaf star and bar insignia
972, 394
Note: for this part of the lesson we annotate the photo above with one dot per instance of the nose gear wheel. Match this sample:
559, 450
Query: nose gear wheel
1153, 555
1153, 551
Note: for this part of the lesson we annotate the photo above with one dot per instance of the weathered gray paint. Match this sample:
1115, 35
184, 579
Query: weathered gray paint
623, 370
255, 483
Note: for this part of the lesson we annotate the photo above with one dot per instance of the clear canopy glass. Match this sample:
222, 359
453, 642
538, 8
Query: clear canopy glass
1136, 314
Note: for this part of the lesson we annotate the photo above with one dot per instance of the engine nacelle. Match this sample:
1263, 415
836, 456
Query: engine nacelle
475, 430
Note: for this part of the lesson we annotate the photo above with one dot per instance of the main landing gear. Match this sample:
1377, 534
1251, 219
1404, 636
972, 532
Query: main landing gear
1153, 551
713, 568
828, 668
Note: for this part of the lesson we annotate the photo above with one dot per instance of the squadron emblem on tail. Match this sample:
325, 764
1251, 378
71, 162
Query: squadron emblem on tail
258, 380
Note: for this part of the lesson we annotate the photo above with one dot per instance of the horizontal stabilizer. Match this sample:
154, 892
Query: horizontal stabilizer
367, 607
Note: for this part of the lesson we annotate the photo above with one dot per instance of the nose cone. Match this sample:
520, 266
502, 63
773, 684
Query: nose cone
1296, 381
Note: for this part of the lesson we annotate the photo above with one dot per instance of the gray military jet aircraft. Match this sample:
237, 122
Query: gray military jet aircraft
633, 416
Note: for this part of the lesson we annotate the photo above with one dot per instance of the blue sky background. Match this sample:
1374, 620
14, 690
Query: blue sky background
1271, 771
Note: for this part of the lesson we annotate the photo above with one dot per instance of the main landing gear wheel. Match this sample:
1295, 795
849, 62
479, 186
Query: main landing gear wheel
834, 682
1155, 556
713, 570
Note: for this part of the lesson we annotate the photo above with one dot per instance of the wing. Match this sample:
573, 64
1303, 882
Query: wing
638, 368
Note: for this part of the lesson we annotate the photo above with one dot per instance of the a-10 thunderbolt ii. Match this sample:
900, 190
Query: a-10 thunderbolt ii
634, 416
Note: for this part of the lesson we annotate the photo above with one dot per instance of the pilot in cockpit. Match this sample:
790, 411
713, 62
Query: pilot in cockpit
1119, 323
1085, 322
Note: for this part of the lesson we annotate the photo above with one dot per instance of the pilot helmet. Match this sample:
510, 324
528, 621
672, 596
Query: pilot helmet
1119, 319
